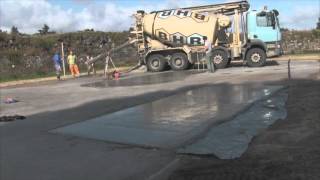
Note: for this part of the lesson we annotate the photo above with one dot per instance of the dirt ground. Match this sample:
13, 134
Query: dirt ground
289, 149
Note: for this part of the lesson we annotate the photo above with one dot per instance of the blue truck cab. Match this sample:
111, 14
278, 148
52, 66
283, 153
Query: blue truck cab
263, 30
260, 36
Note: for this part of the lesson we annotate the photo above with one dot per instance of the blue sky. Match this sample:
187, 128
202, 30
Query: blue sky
284, 5
114, 15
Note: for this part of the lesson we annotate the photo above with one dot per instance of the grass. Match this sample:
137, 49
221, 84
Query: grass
25, 77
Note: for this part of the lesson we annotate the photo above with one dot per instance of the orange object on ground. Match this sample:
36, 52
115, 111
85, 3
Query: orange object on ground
74, 70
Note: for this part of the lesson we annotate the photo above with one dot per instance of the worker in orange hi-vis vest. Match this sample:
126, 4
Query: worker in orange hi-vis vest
72, 65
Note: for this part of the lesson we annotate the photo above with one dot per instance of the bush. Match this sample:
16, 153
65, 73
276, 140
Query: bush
3, 36
15, 57
44, 43
316, 33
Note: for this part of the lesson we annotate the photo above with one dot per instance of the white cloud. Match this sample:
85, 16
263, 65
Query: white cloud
300, 18
30, 15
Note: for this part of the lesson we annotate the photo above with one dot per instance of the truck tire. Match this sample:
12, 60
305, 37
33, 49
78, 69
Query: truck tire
256, 57
179, 61
156, 63
220, 58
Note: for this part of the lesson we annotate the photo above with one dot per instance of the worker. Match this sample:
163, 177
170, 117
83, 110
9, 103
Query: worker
90, 66
57, 64
208, 49
72, 65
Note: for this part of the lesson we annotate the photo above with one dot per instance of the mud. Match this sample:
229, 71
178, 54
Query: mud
289, 149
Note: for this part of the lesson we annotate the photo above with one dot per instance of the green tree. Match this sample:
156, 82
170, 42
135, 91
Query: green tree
284, 29
44, 30
14, 30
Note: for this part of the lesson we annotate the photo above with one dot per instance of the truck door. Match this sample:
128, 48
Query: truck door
264, 26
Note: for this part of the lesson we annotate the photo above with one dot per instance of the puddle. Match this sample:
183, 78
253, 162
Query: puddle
172, 121
149, 78
231, 139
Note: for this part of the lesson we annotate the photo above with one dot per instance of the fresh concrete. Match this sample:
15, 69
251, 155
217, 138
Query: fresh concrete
169, 122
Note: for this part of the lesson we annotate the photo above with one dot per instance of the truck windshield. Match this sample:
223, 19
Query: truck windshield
265, 19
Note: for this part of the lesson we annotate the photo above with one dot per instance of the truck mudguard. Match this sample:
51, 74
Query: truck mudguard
256, 43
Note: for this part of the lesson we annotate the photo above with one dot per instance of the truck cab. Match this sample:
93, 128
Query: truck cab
263, 28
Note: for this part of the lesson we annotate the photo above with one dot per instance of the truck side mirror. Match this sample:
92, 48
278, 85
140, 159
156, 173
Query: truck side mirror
273, 21
276, 12
273, 25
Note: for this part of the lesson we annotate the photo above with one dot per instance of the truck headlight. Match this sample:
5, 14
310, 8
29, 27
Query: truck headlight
271, 46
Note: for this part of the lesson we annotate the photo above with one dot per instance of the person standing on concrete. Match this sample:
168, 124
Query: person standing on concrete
90, 66
72, 65
57, 64
208, 49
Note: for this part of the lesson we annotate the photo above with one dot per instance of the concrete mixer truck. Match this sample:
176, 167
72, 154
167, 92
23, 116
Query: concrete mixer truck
174, 37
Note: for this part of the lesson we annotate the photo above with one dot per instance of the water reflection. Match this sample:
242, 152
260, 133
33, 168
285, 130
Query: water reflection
170, 120
146, 79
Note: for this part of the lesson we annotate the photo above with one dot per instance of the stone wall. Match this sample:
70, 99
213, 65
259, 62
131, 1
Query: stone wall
301, 42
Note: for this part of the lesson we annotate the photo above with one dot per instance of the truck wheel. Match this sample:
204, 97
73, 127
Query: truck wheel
220, 59
156, 63
256, 57
179, 61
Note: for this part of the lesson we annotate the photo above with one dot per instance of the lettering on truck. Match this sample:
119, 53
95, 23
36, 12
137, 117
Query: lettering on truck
178, 38
182, 14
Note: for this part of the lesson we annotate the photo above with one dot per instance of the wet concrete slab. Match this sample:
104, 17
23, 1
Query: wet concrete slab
231, 139
146, 79
172, 121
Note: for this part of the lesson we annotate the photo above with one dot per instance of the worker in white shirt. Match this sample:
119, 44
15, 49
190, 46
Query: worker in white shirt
208, 49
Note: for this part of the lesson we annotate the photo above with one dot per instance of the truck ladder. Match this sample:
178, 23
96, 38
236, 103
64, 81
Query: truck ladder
138, 32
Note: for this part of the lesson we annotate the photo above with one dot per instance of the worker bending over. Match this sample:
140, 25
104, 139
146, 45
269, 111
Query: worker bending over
72, 65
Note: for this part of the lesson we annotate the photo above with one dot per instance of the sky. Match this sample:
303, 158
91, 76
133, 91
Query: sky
115, 15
